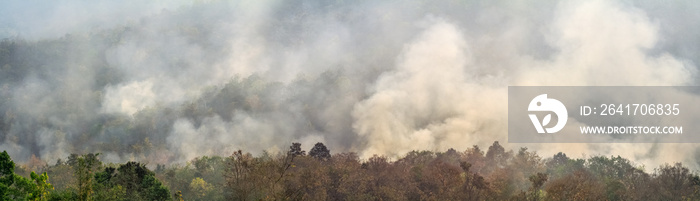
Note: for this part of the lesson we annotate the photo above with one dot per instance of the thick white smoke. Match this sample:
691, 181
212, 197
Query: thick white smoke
432, 100
603, 43
435, 99
377, 77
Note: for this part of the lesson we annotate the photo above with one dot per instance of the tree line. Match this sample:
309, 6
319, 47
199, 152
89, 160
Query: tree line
472, 174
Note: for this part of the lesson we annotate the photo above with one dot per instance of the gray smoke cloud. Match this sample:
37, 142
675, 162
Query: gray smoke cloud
168, 81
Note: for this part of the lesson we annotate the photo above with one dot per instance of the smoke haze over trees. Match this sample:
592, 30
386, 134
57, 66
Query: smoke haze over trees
168, 81
472, 174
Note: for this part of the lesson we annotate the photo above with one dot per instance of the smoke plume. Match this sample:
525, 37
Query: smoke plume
169, 81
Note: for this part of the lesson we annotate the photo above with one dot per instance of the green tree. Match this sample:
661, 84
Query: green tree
139, 182
7, 170
537, 182
43, 187
84, 167
295, 150
16, 187
320, 151
201, 189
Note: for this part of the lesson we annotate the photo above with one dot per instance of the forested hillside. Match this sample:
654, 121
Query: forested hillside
472, 174
212, 77
328, 99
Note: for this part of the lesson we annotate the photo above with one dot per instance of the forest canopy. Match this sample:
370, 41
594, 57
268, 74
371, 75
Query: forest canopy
472, 174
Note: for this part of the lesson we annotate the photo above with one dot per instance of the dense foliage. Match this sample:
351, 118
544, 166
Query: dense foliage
472, 174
